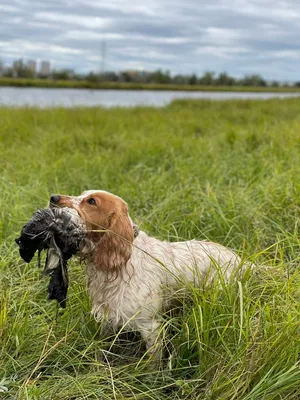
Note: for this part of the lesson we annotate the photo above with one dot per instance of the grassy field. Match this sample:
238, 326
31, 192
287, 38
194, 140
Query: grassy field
75, 84
224, 171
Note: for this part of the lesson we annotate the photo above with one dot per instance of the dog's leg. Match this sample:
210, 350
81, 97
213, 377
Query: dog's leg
149, 330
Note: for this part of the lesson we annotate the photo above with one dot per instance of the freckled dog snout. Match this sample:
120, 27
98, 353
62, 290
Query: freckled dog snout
54, 198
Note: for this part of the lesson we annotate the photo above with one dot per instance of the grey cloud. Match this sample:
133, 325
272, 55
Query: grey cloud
238, 36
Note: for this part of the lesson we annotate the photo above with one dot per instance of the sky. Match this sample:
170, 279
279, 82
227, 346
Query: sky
240, 37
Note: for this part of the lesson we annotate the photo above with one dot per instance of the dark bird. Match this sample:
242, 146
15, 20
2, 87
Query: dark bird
60, 232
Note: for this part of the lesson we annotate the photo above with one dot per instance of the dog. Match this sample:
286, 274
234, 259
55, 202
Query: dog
128, 271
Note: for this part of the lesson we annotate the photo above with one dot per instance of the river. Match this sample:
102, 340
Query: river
46, 98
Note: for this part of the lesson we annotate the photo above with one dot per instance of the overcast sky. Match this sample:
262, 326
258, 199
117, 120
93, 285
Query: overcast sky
183, 36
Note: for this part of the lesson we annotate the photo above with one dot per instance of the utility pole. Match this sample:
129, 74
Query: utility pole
103, 56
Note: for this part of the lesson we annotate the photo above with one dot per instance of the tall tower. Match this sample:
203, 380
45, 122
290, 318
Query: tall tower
103, 56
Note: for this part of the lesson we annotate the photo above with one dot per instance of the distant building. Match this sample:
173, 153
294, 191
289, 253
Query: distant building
7, 71
70, 73
136, 75
17, 64
45, 68
31, 65
17, 67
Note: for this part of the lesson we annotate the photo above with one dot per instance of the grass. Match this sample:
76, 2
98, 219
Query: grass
224, 171
83, 84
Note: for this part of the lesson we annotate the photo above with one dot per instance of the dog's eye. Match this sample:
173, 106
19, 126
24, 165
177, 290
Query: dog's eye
92, 201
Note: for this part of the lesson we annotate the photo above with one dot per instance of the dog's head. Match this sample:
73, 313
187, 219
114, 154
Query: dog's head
108, 225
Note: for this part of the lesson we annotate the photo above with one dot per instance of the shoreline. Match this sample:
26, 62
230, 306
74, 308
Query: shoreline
72, 84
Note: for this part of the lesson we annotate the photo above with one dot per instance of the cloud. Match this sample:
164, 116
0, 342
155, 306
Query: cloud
84, 21
191, 36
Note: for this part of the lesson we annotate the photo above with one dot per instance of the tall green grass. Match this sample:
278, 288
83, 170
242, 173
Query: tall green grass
223, 171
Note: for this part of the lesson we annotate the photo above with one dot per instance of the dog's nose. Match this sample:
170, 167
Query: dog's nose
54, 198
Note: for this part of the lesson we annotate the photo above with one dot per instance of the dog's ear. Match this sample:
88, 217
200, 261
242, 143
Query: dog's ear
115, 246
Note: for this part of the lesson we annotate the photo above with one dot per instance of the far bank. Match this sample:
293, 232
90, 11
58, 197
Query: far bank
84, 84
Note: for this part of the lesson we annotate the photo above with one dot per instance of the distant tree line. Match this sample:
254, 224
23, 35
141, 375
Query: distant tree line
164, 77
209, 78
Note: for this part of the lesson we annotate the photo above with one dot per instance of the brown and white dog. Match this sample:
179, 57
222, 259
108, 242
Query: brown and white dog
127, 273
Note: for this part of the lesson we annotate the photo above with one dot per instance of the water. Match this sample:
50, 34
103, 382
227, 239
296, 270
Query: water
45, 97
